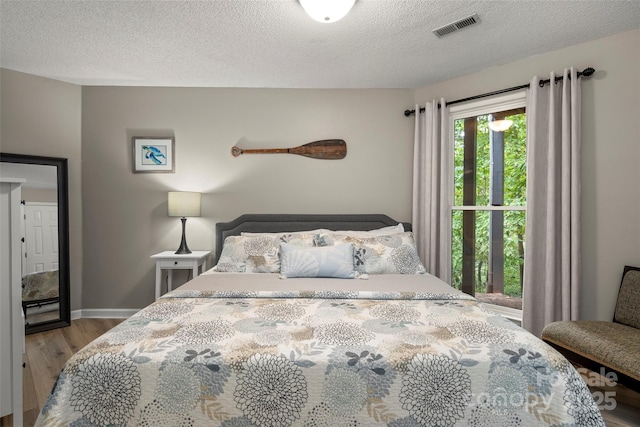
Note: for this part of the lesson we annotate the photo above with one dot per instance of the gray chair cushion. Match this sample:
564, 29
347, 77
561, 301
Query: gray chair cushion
628, 305
607, 343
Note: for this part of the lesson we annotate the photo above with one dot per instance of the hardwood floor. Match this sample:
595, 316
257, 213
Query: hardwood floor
48, 351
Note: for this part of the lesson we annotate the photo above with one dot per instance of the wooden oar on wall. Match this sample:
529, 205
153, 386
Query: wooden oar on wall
327, 149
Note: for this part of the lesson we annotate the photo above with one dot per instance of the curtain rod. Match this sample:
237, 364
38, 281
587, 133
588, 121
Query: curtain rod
587, 72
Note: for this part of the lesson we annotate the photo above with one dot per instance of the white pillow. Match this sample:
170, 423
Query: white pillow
322, 261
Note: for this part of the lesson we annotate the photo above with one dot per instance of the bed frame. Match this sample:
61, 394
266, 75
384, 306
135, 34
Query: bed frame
274, 223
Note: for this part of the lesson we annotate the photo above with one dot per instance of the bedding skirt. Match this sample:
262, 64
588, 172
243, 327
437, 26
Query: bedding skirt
236, 350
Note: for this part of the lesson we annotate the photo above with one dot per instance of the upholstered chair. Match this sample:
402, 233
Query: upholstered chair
615, 345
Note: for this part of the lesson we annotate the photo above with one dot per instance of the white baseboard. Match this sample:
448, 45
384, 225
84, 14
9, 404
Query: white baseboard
104, 313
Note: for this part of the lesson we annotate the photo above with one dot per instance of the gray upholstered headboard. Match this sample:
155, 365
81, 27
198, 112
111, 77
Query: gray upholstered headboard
274, 223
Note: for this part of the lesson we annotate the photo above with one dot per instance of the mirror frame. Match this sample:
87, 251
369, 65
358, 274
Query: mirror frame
63, 236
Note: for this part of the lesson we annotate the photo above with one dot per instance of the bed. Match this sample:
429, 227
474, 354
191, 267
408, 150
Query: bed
282, 332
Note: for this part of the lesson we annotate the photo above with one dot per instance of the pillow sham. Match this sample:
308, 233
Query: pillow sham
249, 255
322, 261
387, 254
391, 229
256, 254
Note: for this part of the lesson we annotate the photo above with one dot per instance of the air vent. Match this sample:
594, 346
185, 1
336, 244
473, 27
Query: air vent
455, 26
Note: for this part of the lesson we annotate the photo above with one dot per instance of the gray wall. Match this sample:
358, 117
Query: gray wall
610, 152
42, 117
125, 214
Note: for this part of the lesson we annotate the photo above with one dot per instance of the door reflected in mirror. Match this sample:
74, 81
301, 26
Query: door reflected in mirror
45, 266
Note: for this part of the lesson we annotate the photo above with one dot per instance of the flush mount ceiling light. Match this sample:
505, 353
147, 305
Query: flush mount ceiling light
327, 11
500, 125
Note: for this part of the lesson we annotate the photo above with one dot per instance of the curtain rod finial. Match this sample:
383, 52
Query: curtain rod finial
588, 72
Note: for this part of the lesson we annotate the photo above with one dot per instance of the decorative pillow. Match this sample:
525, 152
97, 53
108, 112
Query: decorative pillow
324, 261
249, 255
256, 254
388, 254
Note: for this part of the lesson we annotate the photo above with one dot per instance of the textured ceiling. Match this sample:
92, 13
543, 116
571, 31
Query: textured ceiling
274, 44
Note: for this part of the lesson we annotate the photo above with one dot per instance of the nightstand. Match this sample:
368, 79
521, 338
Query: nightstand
169, 260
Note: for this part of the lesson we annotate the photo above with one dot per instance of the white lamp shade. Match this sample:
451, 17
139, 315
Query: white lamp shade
184, 203
327, 11
500, 125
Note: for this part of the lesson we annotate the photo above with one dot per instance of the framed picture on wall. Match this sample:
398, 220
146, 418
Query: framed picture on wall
153, 154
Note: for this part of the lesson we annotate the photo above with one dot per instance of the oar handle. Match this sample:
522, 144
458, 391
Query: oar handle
236, 151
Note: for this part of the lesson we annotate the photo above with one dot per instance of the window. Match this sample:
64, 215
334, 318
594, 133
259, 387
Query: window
489, 200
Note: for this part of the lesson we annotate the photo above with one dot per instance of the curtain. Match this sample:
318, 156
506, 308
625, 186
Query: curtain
552, 256
431, 217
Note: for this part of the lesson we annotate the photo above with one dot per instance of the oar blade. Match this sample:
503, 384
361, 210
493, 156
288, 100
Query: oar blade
327, 149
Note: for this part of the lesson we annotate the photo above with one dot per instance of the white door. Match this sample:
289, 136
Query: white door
41, 237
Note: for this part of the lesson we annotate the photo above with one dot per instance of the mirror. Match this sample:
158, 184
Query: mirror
45, 224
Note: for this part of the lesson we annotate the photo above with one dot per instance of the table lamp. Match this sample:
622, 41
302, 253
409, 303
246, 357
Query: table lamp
184, 204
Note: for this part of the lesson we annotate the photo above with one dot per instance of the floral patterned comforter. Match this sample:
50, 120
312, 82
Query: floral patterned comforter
203, 358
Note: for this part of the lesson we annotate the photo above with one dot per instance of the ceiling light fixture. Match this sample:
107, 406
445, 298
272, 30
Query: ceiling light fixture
327, 11
500, 125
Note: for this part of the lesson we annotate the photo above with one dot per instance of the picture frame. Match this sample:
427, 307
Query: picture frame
153, 154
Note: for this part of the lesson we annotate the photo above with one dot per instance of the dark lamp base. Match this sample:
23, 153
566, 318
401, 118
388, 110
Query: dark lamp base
183, 249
